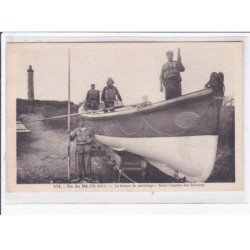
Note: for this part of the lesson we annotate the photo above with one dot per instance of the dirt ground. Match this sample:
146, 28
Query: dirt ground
43, 158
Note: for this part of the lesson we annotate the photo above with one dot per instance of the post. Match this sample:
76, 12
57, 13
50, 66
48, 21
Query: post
178, 54
179, 59
69, 113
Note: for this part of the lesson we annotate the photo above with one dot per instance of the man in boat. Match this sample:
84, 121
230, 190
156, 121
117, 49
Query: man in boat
109, 95
83, 139
93, 98
170, 77
216, 82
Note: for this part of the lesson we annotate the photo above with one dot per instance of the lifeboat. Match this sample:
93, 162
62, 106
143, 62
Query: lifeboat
177, 136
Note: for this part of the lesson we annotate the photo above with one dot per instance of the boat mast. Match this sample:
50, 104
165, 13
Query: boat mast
69, 90
69, 113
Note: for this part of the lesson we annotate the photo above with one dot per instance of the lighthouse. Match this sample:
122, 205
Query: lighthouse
30, 83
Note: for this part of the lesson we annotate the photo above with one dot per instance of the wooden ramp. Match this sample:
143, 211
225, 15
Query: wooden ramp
22, 132
20, 128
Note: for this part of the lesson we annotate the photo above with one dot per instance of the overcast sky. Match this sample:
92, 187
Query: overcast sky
135, 67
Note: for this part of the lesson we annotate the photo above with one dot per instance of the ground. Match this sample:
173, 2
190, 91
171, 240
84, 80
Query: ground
43, 159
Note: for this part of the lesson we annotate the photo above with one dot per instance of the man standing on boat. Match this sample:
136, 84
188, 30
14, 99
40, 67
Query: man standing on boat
109, 94
170, 77
93, 98
83, 139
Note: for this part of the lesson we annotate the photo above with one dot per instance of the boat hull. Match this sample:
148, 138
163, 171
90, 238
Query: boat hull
191, 157
183, 116
177, 136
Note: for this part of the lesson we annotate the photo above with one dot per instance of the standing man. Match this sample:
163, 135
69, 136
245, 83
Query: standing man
93, 98
109, 94
83, 139
170, 77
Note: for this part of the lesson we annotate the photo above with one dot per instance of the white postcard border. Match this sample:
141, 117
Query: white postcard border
124, 197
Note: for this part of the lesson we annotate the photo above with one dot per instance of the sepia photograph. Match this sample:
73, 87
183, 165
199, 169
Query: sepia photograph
127, 115
124, 112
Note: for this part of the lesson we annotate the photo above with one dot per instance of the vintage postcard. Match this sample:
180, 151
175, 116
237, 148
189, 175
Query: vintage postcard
123, 114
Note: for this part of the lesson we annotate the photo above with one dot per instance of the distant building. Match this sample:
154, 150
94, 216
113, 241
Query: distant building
30, 83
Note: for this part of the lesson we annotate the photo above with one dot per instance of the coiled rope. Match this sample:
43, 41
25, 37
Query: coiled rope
159, 132
106, 130
129, 134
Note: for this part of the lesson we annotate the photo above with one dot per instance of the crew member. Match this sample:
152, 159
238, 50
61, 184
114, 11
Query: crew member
93, 98
170, 77
83, 139
216, 82
109, 95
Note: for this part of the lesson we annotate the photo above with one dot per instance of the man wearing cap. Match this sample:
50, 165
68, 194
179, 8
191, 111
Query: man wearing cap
83, 139
109, 94
170, 77
93, 98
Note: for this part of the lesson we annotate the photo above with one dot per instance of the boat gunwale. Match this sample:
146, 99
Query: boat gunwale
194, 96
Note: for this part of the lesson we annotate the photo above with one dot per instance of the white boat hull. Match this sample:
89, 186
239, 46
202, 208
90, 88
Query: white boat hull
192, 157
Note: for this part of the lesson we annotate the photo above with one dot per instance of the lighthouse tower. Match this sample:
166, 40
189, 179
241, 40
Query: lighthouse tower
30, 83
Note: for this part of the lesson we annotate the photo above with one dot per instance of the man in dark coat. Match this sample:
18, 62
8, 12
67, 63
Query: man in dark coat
216, 82
109, 95
93, 98
170, 77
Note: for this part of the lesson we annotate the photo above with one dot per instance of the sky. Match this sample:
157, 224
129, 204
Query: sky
135, 67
